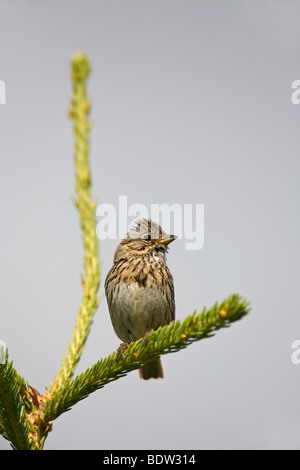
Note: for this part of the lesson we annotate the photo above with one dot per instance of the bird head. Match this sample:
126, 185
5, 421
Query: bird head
145, 237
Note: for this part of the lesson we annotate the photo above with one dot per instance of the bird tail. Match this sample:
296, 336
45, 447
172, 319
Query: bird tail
152, 370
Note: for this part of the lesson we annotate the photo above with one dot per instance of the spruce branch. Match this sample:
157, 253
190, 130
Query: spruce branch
79, 112
14, 425
167, 339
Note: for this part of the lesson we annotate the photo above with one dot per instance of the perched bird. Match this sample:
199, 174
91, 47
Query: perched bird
139, 287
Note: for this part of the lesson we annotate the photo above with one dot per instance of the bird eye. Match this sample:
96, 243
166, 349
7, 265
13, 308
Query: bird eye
147, 237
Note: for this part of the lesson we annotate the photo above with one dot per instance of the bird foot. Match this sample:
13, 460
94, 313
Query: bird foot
146, 336
120, 350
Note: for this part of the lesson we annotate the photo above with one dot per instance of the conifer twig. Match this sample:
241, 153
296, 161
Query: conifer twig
80, 69
167, 339
14, 424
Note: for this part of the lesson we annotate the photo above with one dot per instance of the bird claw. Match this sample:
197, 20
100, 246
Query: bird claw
120, 350
146, 336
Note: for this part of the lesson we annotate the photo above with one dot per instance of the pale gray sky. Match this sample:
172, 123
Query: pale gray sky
192, 105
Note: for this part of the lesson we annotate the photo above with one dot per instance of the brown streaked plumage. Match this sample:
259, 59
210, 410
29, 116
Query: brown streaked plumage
139, 287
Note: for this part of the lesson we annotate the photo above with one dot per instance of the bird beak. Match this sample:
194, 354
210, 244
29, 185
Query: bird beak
166, 240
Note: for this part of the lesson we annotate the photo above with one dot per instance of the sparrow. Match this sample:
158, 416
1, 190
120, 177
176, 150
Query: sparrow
139, 287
